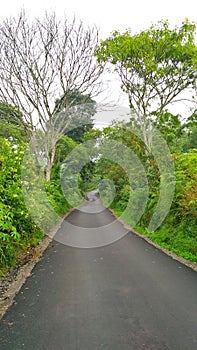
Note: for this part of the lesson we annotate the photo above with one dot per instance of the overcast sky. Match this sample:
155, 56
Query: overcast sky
108, 15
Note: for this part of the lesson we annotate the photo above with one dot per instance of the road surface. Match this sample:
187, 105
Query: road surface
127, 295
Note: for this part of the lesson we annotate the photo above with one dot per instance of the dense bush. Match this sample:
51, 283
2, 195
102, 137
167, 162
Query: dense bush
178, 231
17, 229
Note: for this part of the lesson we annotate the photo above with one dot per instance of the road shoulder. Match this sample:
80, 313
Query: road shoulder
11, 284
174, 256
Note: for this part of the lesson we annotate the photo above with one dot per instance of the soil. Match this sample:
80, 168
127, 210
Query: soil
12, 282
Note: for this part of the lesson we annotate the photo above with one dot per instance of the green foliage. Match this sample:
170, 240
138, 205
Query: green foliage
17, 229
186, 190
179, 239
154, 67
12, 132
178, 231
64, 146
152, 53
16, 226
12, 124
124, 133
10, 114
169, 125
117, 175
89, 179
56, 199
80, 124
188, 139
9, 237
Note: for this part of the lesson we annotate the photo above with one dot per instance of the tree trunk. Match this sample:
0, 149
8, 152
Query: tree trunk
50, 164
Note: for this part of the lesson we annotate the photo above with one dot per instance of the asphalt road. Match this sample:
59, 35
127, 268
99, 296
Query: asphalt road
124, 296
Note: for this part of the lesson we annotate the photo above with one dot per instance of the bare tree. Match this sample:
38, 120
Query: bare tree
42, 60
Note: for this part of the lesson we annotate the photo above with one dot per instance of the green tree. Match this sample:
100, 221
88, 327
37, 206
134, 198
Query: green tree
80, 124
64, 146
12, 123
155, 67
188, 139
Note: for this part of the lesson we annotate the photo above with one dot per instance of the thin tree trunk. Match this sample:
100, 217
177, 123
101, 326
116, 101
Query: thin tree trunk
50, 164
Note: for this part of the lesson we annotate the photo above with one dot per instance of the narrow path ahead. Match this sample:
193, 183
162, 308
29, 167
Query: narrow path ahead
124, 296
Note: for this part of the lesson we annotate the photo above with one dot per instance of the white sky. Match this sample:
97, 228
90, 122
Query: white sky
109, 15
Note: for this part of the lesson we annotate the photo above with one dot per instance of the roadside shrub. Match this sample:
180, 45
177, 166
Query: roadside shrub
17, 230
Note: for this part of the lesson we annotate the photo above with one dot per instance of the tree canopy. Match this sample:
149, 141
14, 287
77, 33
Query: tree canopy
81, 122
155, 67
12, 124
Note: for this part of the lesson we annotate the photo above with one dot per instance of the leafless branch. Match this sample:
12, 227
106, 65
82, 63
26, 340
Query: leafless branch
43, 60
